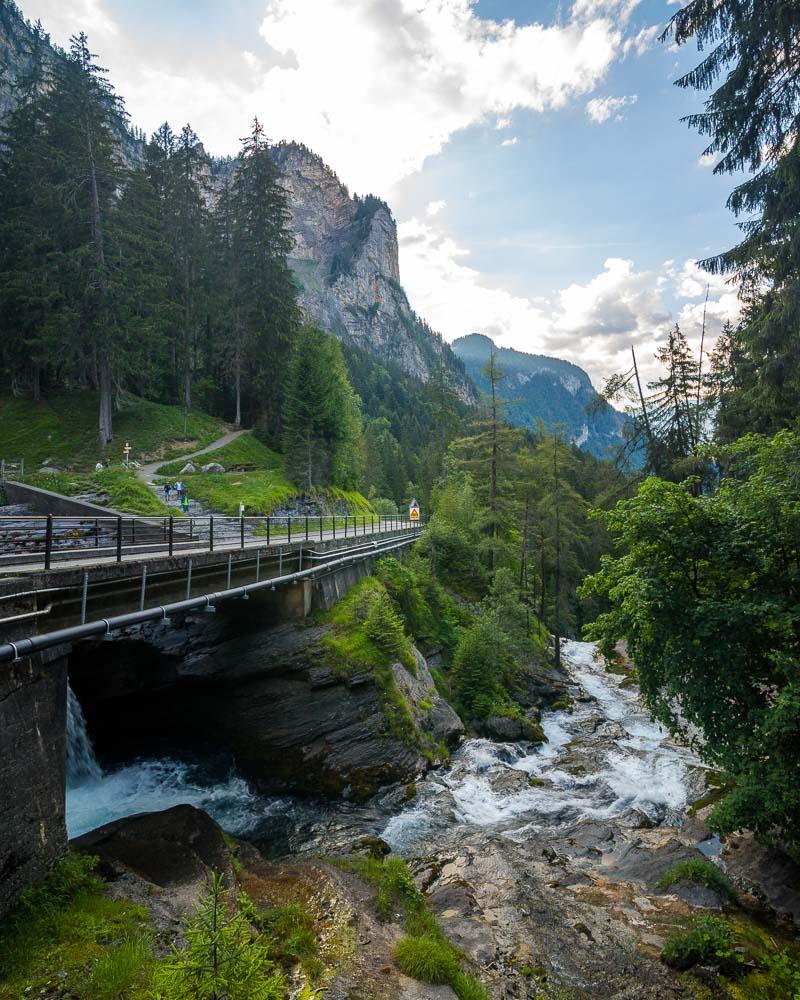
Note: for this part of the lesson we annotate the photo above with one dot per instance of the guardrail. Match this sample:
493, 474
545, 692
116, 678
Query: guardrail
11, 651
47, 539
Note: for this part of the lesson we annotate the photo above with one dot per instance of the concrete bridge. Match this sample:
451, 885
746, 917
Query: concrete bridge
90, 595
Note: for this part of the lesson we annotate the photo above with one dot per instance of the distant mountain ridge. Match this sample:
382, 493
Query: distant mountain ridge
556, 392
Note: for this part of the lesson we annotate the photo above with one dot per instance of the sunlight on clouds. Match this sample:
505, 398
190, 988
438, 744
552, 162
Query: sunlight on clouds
593, 324
601, 109
374, 86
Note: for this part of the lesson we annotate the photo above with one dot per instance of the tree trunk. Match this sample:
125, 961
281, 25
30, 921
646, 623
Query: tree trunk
105, 421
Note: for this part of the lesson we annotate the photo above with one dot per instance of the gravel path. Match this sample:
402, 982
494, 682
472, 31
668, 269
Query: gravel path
144, 472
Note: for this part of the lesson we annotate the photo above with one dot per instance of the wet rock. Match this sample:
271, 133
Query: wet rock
768, 873
171, 848
499, 727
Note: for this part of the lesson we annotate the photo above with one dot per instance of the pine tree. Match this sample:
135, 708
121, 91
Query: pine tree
751, 121
269, 315
224, 957
323, 438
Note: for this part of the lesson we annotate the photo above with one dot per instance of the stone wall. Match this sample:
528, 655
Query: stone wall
33, 833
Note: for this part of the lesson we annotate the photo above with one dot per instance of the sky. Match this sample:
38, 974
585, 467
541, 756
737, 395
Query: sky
546, 191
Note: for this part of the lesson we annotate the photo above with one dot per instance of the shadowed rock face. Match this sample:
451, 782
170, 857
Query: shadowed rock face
265, 694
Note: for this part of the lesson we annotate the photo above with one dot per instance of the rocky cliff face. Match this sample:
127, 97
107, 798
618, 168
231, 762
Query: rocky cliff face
346, 262
267, 695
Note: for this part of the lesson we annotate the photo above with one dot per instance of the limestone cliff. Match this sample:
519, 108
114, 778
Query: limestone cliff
347, 265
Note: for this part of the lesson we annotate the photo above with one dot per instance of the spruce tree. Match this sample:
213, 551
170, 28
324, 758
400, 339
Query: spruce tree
751, 120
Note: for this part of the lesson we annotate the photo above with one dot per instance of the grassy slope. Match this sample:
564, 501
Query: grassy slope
63, 429
261, 491
122, 490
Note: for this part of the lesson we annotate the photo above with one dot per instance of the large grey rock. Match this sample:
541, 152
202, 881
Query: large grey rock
188, 469
212, 467
174, 847
270, 696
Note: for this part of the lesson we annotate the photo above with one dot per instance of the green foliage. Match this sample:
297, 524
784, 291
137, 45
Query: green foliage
67, 927
384, 627
783, 974
293, 936
122, 969
426, 959
750, 120
245, 450
425, 954
260, 492
709, 941
323, 436
698, 872
705, 588
224, 955
62, 429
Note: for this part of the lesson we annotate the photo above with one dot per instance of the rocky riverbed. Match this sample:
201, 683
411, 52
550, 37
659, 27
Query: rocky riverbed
542, 862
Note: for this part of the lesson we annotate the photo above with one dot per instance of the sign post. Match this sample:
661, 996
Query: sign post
413, 511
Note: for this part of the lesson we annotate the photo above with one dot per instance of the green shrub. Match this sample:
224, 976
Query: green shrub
699, 872
467, 987
426, 959
294, 938
224, 955
385, 628
708, 941
783, 971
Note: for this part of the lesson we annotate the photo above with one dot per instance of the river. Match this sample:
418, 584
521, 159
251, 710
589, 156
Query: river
604, 759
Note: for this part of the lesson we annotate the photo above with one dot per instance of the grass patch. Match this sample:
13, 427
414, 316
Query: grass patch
425, 954
698, 872
67, 933
708, 941
63, 429
120, 489
245, 450
260, 492
367, 637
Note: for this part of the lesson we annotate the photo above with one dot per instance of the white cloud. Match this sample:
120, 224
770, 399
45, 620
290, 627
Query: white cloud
641, 42
600, 109
400, 80
513, 141
502, 123
434, 207
593, 323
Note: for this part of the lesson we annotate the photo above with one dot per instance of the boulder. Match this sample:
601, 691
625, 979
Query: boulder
50, 469
212, 467
187, 470
499, 727
175, 847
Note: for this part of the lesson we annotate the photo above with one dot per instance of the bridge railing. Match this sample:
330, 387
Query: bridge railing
46, 540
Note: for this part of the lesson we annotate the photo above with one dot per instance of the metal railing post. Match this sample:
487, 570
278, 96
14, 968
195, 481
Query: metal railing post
258, 565
119, 539
268, 520
96, 533
48, 541
241, 531
171, 533
320, 527
289, 529
84, 595
189, 580
143, 588
345, 525
211, 533
334, 526
230, 561
306, 527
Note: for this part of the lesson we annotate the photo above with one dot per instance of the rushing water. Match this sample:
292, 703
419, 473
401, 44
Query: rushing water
605, 759
82, 766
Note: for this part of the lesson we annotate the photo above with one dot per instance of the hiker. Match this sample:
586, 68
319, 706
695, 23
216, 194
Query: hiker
179, 490
167, 488
99, 467
185, 503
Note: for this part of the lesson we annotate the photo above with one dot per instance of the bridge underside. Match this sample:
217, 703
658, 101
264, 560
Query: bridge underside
33, 689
